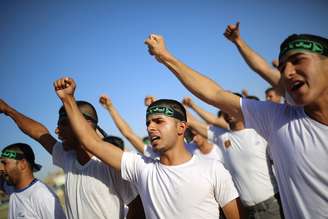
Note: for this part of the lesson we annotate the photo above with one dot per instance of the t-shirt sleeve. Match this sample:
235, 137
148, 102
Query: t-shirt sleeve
260, 115
125, 189
47, 204
225, 190
214, 133
59, 155
131, 165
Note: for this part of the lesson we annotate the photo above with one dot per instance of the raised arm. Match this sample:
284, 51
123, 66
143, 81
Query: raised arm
199, 127
30, 127
121, 124
201, 86
207, 116
254, 60
88, 137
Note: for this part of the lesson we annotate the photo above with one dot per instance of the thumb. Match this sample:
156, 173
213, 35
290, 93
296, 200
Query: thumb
237, 25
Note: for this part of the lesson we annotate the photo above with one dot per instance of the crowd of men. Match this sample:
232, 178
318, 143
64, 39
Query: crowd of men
255, 159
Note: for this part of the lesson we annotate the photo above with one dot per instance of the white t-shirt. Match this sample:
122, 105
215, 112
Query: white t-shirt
194, 189
216, 152
36, 201
92, 190
299, 150
246, 158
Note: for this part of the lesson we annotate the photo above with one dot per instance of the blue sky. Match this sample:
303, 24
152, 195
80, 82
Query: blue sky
100, 44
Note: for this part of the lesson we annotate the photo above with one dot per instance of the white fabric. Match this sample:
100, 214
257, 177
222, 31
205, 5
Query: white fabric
35, 202
93, 190
194, 189
245, 156
299, 150
216, 153
149, 152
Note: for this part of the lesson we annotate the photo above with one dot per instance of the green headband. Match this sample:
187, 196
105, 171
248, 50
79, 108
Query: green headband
165, 110
12, 155
303, 44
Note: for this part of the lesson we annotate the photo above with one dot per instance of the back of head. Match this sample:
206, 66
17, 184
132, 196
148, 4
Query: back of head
115, 141
252, 97
269, 90
306, 42
19, 151
168, 107
86, 108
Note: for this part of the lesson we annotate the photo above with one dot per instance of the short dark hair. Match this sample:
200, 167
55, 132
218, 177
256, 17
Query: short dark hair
25, 151
237, 94
252, 97
173, 104
269, 90
86, 108
117, 141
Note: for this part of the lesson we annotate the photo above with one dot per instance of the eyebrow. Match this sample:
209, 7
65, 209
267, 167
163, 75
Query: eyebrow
290, 58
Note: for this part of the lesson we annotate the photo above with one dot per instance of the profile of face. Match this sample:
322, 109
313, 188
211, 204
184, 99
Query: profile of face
304, 76
273, 96
198, 139
65, 133
164, 131
10, 170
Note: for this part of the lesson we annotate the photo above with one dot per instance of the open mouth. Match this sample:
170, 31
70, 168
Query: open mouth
296, 85
154, 138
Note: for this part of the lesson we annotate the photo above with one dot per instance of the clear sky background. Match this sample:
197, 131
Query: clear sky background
101, 45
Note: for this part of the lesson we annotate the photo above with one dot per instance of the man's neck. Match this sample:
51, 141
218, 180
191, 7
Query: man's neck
176, 155
237, 126
83, 156
24, 182
318, 110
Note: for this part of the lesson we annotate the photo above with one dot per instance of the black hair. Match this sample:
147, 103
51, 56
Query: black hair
238, 94
86, 108
252, 97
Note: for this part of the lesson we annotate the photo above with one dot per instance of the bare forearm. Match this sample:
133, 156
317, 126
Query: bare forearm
209, 117
199, 127
32, 128
125, 129
89, 138
258, 64
199, 85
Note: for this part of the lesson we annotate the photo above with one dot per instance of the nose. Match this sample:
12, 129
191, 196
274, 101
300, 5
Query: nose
150, 126
289, 70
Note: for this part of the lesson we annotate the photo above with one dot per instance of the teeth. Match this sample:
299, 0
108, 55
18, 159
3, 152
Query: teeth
154, 138
296, 85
